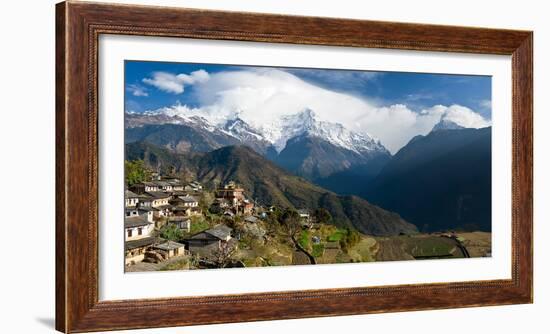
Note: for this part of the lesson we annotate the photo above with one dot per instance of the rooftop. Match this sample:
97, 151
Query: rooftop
149, 184
169, 245
188, 199
162, 183
147, 208
135, 221
130, 194
177, 219
133, 244
158, 194
220, 231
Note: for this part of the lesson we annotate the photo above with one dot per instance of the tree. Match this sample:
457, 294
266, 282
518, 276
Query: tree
322, 216
222, 256
135, 172
171, 232
290, 222
205, 201
351, 239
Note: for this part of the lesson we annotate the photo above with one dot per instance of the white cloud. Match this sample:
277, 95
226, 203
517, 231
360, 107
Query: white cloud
174, 83
137, 90
262, 96
465, 117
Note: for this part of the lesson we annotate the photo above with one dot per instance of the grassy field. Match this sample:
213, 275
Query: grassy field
477, 243
364, 251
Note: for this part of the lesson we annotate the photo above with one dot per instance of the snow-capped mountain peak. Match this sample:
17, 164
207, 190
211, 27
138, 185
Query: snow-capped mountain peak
446, 124
276, 132
308, 123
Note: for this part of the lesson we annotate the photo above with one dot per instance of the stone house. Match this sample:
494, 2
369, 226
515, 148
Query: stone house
135, 249
131, 199
144, 187
182, 223
170, 248
208, 242
137, 227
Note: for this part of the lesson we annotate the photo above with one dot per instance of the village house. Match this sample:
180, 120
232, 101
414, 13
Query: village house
137, 227
182, 211
177, 185
144, 187
131, 212
184, 201
159, 198
170, 249
165, 210
164, 186
234, 195
207, 243
231, 192
131, 199
189, 201
135, 249
182, 223
145, 201
193, 186
177, 193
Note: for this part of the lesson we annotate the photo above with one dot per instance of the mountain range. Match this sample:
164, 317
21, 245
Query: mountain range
269, 184
438, 181
300, 143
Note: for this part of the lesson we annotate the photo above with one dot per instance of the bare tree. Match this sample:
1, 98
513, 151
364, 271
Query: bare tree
290, 223
222, 256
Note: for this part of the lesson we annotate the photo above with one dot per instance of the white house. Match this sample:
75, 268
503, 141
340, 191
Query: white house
137, 227
188, 201
164, 186
131, 199
159, 198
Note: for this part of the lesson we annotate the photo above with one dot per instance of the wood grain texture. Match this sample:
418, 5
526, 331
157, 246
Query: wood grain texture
78, 28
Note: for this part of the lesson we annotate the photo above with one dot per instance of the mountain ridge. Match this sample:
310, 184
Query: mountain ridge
440, 181
271, 185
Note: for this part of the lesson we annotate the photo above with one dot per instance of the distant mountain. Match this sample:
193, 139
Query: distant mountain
440, 181
300, 143
446, 124
320, 161
193, 134
316, 149
269, 184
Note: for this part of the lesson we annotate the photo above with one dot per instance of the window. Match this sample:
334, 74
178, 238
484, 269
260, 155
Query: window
129, 233
140, 230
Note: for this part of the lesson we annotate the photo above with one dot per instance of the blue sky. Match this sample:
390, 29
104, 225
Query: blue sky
391, 106
416, 90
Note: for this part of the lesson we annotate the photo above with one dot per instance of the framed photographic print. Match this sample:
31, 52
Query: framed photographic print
221, 166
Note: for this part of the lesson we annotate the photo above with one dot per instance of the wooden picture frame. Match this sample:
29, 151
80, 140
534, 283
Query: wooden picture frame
78, 27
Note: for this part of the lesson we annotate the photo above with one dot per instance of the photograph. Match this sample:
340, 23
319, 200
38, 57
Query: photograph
236, 166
